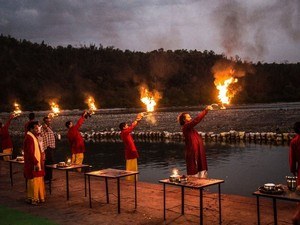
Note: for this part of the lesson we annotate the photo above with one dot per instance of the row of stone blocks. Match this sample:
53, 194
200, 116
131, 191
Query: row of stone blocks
209, 136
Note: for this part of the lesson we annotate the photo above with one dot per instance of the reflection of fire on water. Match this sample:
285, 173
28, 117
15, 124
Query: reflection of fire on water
17, 111
55, 109
91, 104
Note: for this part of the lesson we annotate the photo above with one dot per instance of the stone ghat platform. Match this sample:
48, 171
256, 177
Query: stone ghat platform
235, 209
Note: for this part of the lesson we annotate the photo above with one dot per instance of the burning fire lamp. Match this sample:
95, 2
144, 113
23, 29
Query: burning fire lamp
149, 102
21, 156
149, 98
55, 109
224, 96
174, 177
91, 104
17, 110
68, 161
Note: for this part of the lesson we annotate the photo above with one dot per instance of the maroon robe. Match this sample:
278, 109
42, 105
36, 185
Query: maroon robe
5, 137
130, 149
195, 155
294, 157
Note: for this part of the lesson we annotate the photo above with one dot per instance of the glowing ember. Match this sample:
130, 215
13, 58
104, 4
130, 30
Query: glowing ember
17, 111
55, 109
91, 103
149, 98
223, 96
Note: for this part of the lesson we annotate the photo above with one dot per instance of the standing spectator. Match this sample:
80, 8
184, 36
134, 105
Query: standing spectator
76, 141
31, 117
48, 137
131, 153
195, 154
33, 170
294, 153
294, 161
6, 142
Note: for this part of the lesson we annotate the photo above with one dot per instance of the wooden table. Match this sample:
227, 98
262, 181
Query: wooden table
287, 196
194, 183
14, 161
112, 174
67, 169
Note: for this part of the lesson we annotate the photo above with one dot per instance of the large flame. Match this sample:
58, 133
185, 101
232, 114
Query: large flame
226, 73
224, 96
149, 98
55, 109
149, 102
17, 111
224, 77
91, 104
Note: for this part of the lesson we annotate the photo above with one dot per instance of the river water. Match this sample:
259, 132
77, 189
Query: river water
243, 166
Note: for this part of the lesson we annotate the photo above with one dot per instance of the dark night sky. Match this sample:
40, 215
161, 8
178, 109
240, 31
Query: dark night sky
256, 30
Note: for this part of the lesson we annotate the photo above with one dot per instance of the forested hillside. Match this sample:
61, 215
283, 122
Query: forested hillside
33, 74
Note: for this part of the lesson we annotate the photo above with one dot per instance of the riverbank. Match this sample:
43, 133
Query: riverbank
235, 209
278, 117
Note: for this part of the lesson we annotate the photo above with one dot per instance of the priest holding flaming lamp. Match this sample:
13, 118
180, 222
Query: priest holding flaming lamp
195, 155
131, 153
76, 141
6, 142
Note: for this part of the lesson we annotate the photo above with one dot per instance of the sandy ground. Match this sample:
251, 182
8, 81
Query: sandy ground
235, 209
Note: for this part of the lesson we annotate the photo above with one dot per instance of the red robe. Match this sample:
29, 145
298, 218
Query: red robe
5, 137
195, 155
29, 159
130, 149
75, 139
294, 156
